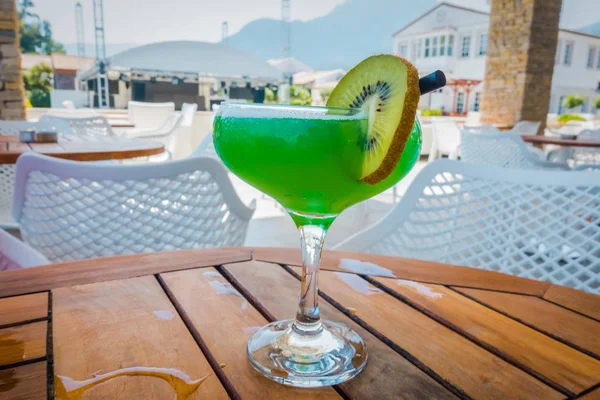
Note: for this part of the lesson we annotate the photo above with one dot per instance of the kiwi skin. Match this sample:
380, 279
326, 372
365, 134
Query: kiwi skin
411, 103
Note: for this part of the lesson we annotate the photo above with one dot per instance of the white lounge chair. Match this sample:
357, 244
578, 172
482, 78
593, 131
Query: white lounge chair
446, 140
15, 254
526, 128
579, 157
71, 210
96, 125
7, 171
542, 225
502, 149
149, 115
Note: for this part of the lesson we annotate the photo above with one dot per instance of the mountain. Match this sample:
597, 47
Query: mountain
90, 48
593, 29
350, 32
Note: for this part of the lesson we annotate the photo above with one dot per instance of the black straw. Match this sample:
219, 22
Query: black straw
434, 81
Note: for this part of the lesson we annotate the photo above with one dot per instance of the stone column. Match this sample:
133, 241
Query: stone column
520, 61
12, 97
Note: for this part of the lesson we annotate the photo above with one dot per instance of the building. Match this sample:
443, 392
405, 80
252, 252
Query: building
454, 39
185, 72
64, 67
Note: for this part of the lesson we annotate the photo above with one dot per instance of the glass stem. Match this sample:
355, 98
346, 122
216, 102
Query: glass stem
308, 318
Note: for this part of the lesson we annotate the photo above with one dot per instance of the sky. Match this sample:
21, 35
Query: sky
147, 21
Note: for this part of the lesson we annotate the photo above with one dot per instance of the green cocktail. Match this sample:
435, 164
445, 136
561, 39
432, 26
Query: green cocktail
309, 159
312, 161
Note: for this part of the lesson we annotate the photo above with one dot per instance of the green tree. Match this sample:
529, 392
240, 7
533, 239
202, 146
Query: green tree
300, 96
35, 34
325, 93
38, 83
574, 100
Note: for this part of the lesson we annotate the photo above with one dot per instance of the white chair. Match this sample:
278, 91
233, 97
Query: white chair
72, 113
486, 128
15, 254
149, 115
206, 148
502, 149
543, 225
7, 171
166, 134
70, 210
181, 143
529, 128
446, 140
578, 157
96, 125
68, 104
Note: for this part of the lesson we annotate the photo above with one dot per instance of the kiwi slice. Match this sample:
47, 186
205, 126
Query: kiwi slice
386, 88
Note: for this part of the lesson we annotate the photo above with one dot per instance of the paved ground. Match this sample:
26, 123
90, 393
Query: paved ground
271, 226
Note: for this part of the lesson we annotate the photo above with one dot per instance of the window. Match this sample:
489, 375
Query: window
427, 42
450, 44
442, 46
403, 50
434, 47
477, 101
558, 53
568, 57
460, 103
591, 57
419, 48
483, 41
560, 105
466, 46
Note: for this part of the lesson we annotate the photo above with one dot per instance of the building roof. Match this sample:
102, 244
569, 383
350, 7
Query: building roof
303, 78
290, 65
29, 60
70, 64
477, 12
59, 62
207, 59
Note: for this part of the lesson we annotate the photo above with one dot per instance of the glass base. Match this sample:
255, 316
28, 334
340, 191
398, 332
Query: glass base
322, 354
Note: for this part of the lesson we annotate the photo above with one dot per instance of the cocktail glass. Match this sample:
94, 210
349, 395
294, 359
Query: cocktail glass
309, 159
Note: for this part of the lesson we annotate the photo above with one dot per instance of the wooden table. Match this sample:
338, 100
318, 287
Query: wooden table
182, 319
81, 148
579, 142
121, 123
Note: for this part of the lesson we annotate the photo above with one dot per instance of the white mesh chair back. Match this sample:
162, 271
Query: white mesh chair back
526, 128
188, 112
502, 149
543, 225
96, 125
15, 254
71, 211
149, 115
7, 171
486, 128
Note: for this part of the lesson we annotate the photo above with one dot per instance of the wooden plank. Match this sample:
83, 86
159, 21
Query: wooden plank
126, 328
388, 375
522, 345
23, 343
479, 373
23, 308
27, 382
582, 302
52, 276
225, 321
548, 317
405, 268
18, 147
593, 395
